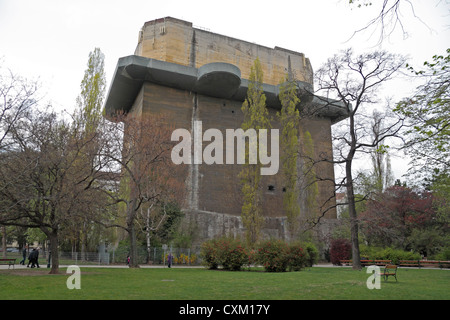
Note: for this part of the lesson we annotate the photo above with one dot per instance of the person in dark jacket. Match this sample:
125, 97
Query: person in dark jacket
169, 260
24, 255
33, 258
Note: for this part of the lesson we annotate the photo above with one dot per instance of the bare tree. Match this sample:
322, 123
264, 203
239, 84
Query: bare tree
389, 17
354, 81
381, 172
138, 150
154, 217
17, 96
45, 179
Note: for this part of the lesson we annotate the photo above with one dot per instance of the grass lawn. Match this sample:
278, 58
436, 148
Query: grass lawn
202, 284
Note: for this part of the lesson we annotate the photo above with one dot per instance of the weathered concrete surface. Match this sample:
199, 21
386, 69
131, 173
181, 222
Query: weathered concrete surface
172, 40
180, 85
217, 79
214, 191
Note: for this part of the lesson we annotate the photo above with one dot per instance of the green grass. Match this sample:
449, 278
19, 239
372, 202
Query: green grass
201, 284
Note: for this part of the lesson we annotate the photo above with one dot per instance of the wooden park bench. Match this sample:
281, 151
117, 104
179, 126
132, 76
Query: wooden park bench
375, 262
389, 270
9, 262
424, 263
367, 262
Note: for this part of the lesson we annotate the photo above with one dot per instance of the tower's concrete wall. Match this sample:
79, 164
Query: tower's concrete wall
167, 82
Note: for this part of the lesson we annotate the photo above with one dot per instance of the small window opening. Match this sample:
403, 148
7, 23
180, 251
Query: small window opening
271, 188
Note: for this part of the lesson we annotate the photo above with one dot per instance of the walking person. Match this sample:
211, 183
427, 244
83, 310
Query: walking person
169, 260
36, 257
33, 258
24, 255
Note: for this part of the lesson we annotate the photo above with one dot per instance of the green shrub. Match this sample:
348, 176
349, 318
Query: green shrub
444, 255
312, 254
368, 252
273, 255
297, 257
232, 254
226, 252
209, 254
395, 255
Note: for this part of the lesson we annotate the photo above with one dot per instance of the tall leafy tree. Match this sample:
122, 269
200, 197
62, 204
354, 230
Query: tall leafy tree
88, 115
406, 219
428, 118
90, 99
428, 131
256, 116
289, 120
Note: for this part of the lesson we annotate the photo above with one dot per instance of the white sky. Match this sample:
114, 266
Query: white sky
51, 39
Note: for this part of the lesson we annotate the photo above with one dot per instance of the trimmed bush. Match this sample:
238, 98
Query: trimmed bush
341, 249
232, 254
312, 254
209, 254
297, 257
395, 255
226, 252
273, 255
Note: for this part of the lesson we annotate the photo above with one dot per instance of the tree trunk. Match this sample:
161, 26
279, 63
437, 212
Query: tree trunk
53, 237
83, 242
132, 234
354, 229
133, 245
4, 242
147, 229
352, 212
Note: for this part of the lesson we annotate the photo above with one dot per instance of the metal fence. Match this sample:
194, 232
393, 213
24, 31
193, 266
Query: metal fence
158, 256
84, 258
154, 256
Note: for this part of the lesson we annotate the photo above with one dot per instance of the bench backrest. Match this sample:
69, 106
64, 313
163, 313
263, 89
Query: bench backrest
391, 267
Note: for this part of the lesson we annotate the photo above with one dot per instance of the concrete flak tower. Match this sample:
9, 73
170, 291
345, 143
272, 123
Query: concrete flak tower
190, 74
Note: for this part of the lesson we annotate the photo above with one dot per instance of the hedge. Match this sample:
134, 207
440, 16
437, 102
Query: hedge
273, 255
395, 255
226, 252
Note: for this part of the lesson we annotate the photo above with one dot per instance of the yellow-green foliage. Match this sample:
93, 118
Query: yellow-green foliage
256, 116
289, 119
93, 85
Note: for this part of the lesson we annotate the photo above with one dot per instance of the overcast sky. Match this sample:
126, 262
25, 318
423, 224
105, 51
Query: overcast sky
52, 39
